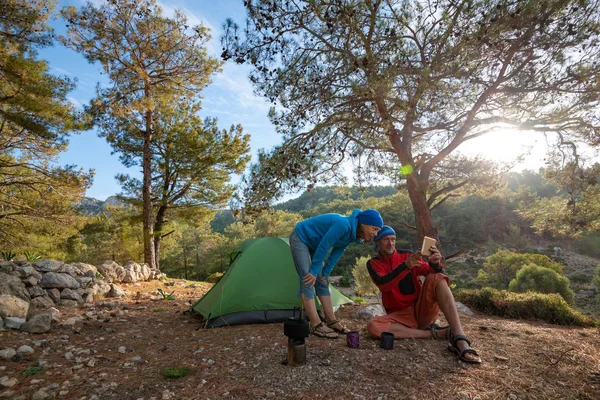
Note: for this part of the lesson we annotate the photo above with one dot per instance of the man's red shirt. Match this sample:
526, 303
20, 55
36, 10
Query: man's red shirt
400, 287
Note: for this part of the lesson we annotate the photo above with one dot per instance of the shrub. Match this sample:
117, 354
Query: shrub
179, 372
31, 371
551, 308
8, 255
32, 256
542, 280
214, 277
346, 280
364, 286
580, 278
502, 267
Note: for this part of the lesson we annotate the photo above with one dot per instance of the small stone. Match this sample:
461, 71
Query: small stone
7, 354
7, 382
500, 358
584, 334
25, 349
40, 395
122, 350
513, 397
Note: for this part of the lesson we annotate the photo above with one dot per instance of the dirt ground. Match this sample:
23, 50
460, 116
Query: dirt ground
120, 353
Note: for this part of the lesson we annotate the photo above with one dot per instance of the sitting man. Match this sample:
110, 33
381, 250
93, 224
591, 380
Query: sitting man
412, 307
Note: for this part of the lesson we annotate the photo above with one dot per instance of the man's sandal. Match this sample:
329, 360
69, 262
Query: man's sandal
321, 330
343, 329
453, 347
435, 328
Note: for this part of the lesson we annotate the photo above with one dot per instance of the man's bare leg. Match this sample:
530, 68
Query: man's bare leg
445, 300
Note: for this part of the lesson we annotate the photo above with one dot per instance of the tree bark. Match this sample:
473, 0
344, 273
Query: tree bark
418, 199
149, 254
158, 225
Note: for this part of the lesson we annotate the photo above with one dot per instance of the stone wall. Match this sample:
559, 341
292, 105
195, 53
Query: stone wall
30, 293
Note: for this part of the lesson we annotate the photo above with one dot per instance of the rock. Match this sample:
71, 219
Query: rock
40, 395
14, 322
100, 288
461, 308
55, 314
371, 311
85, 281
7, 382
54, 294
52, 280
7, 267
87, 270
7, 354
108, 271
72, 321
36, 291
69, 294
39, 305
25, 349
49, 265
1, 323
116, 291
39, 323
13, 306
109, 304
67, 303
12, 286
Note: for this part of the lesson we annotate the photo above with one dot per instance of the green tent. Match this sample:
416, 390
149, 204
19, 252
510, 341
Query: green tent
260, 285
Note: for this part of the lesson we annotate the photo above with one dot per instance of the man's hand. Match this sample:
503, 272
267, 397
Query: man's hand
413, 261
435, 256
310, 280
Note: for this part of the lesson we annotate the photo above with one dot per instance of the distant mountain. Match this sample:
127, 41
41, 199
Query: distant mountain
91, 206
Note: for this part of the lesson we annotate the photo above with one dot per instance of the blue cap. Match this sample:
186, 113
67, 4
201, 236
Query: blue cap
385, 231
370, 217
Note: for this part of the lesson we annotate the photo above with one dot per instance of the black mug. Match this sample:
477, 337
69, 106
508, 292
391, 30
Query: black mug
387, 340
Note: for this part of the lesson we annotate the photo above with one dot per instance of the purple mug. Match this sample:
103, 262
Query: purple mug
352, 339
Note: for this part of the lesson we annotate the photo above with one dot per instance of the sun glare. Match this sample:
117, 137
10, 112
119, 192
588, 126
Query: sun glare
508, 145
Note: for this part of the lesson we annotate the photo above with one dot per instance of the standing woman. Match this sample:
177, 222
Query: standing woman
310, 243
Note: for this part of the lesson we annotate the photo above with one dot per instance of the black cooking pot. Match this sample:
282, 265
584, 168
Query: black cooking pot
296, 328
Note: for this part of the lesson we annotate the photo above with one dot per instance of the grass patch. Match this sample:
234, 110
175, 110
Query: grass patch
159, 309
174, 373
551, 308
31, 371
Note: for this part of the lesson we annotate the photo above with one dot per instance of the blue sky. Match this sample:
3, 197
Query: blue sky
230, 98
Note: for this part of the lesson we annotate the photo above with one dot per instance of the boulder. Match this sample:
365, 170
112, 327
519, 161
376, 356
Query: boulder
13, 306
58, 280
36, 291
7, 267
116, 291
49, 266
85, 281
11, 285
14, 322
101, 288
54, 294
39, 305
40, 323
86, 269
107, 269
69, 294
461, 308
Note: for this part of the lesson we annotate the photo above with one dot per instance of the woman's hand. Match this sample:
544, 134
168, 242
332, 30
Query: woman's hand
310, 280
326, 279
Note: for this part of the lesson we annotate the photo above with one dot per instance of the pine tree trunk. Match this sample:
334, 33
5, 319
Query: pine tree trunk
158, 225
149, 257
423, 219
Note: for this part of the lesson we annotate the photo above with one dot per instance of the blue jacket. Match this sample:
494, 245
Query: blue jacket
328, 232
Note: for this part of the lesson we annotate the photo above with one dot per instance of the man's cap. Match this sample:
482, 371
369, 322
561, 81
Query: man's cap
385, 231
